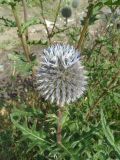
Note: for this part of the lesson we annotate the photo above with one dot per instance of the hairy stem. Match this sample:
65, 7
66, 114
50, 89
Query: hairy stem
56, 16
21, 36
85, 27
25, 17
59, 127
45, 24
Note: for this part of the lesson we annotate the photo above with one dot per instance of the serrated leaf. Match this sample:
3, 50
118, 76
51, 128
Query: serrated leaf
8, 22
112, 2
13, 57
108, 134
106, 129
116, 97
21, 66
29, 23
9, 2
36, 42
33, 135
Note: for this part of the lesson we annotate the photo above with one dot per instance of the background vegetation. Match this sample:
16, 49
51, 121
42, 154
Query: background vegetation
91, 126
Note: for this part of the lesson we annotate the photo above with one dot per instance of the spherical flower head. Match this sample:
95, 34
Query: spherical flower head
66, 12
75, 3
61, 78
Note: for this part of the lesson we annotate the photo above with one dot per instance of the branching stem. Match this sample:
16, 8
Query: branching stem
85, 27
56, 16
21, 36
45, 24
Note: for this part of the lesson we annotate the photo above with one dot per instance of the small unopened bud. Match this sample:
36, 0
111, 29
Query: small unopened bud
75, 3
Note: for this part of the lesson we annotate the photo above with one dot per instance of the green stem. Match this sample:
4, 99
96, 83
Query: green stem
58, 9
45, 24
21, 36
85, 27
25, 17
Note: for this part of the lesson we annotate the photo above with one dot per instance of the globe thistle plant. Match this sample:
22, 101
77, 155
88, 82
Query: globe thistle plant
61, 78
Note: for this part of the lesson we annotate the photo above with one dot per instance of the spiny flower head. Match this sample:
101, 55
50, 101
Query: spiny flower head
61, 77
75, 3
66, 12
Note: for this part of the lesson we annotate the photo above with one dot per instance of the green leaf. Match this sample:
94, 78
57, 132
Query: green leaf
65, 119
29, 23
90, 99
112, 2
109, 135
19, 64
116, 97
36, 42
31, 134
9, 2
8, 22
13, 57
107, 130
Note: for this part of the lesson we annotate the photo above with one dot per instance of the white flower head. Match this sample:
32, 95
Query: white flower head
61, 78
